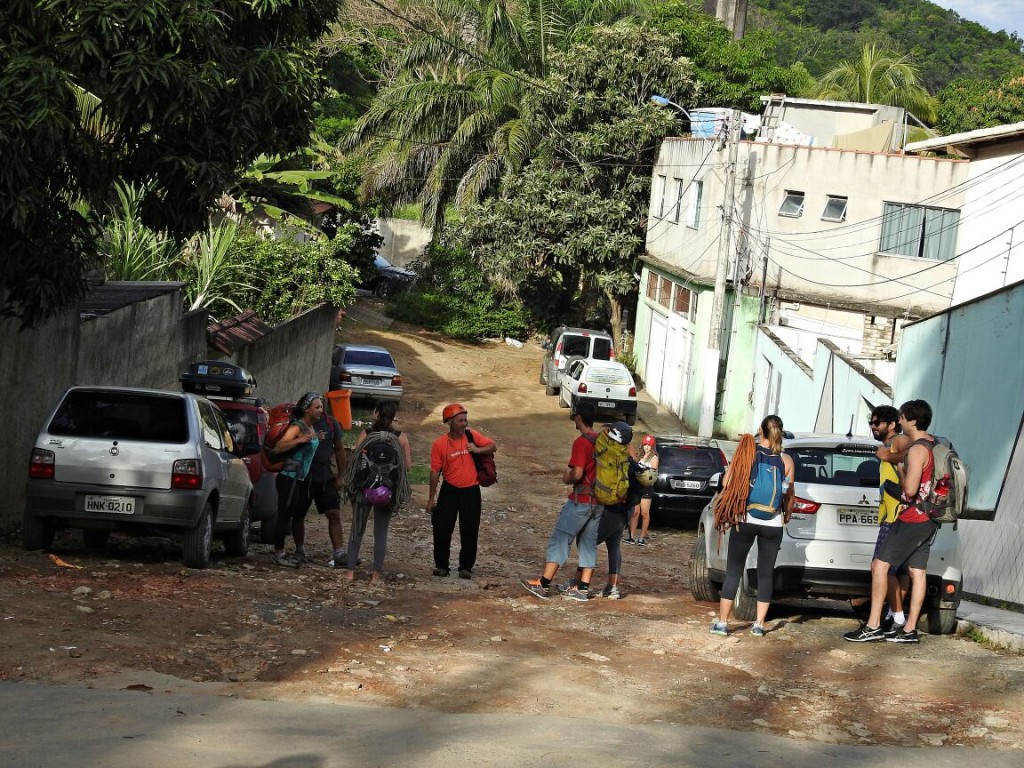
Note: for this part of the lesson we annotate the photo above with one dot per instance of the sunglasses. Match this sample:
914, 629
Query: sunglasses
874, 422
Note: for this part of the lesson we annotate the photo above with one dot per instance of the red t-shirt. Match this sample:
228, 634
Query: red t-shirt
583, 456
453, 460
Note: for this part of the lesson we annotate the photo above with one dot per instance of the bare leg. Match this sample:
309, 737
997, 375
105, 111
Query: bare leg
918, 587
351, 575
879, 584
645, 517
724, 609
633, 518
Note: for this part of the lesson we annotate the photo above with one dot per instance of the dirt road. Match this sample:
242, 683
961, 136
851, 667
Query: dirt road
135, 617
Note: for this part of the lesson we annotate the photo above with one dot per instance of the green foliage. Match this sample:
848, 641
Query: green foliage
211, 272
966, 105
131, 250
878, 76
179, 92
288, 277
943, 46
453, 297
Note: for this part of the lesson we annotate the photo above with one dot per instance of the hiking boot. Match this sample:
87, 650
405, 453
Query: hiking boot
441, 572
720, 628
575, 593
757, 630
865, 634
893, 630
286, 560
300, 556
464, 574
611, 592
563, 588
535, 588
902, 636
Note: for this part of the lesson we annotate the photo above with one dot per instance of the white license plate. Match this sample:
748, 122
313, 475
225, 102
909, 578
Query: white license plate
365, 380
605, 405
687, 485
847, 516
120, 505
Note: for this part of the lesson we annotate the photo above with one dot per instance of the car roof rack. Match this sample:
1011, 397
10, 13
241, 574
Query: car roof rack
689, 440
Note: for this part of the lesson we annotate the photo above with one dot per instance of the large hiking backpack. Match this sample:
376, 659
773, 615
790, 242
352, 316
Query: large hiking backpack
378, 469
948, 495
280, 416
766, 475
611, 478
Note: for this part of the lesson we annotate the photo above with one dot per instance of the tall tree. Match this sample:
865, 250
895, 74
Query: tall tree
190, 90
968, 104
879, 77
452, 123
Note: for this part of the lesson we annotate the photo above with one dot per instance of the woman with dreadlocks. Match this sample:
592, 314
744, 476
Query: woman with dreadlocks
757, 487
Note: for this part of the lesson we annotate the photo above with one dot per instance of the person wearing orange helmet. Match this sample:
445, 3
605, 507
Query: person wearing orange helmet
458, 498
642, 512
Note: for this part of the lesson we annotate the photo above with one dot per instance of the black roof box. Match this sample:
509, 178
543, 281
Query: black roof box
216, 377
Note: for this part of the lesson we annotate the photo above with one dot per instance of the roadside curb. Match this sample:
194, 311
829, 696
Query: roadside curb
999, 627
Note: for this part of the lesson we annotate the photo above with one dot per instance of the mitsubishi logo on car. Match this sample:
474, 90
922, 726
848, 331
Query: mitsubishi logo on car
114, 451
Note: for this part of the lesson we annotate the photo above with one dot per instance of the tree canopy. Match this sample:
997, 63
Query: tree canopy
967, 104
176, 95
878, 76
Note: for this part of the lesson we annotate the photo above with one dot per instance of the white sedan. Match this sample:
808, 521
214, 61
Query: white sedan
606, 383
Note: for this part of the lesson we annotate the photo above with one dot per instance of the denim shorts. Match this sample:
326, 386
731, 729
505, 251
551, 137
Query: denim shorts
573, 523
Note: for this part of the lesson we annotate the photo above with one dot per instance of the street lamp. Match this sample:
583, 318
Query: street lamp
663, 101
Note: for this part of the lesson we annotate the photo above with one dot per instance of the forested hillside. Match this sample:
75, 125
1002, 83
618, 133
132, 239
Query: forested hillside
821, 33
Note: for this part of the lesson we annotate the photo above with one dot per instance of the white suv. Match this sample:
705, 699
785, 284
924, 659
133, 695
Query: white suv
830, 540
566, 342
138, 461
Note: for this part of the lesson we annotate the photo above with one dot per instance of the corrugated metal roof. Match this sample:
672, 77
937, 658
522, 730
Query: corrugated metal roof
231, 335
107, 297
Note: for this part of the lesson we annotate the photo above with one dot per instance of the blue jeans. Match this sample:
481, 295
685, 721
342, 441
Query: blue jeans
575, 520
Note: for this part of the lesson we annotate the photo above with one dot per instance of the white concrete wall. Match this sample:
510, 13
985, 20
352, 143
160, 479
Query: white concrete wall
404, 240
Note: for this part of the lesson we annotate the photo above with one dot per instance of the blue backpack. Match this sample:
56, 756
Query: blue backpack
766, 476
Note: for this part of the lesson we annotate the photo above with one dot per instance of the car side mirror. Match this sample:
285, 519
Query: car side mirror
715, 481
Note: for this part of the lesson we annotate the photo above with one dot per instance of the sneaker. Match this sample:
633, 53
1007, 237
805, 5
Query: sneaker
575, 593
611, 592
286, 560
641, 542
893, 630
720, 628
865, 635
629, 539
757, 630
901, 636
563, 588
464, 574
300, 556
535, 588
441, 572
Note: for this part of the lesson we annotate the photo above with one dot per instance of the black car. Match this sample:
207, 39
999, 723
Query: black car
387, 279
685, 465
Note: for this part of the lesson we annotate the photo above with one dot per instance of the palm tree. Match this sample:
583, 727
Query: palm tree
879, 77
452, 123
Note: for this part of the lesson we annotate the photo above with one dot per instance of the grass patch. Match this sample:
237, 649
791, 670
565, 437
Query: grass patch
419, 474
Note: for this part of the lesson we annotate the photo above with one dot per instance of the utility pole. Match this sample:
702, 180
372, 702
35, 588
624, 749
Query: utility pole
713, 354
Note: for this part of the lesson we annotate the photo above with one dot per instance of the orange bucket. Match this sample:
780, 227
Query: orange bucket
340, 401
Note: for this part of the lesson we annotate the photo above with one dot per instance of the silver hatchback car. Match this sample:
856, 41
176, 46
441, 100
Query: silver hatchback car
830, 540
138, 461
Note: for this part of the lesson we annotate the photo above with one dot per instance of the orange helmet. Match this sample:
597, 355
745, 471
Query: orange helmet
452, 410
648, 440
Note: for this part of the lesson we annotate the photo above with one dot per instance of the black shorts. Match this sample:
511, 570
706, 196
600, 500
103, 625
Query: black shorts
908, 544
325, 495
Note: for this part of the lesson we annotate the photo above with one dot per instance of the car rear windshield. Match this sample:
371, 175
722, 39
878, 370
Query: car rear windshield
121, 416
369, 358
673, 459
597, 375
849, 465
602, 348
576, 345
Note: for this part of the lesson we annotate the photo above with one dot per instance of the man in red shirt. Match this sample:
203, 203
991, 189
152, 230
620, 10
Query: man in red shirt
451, 462
580, 516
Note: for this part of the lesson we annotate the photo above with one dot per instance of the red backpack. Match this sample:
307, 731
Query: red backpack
280, 418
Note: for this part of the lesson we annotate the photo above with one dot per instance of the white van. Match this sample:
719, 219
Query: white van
566, 342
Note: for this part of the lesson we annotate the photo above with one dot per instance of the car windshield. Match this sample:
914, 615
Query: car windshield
849, 465
673, 459
369, 358
598, 375
121, 416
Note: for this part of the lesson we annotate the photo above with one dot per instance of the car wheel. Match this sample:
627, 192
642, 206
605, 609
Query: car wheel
196, 541
95, 540
549, 390
745, 607
630, 419
236, 543
382, 289
701, 586
36, 533
941, 621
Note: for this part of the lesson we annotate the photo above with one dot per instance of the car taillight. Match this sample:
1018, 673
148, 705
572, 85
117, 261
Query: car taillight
804, 507
632, 391
41, 464
186, 475
725, 461
396, 381
582, 388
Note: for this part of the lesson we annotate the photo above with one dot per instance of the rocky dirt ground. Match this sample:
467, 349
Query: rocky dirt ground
134, 618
